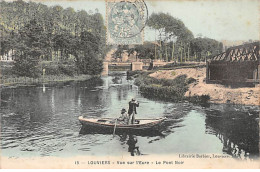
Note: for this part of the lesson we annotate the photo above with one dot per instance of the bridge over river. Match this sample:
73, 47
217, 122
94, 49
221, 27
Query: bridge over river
138, 65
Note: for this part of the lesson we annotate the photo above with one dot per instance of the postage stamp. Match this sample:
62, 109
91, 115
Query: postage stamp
82, 86
125, 21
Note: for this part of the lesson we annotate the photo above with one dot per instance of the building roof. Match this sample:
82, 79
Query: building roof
245, 52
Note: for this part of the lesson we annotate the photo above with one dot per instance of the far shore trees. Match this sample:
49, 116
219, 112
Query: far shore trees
174, 42
29, 47
36, 33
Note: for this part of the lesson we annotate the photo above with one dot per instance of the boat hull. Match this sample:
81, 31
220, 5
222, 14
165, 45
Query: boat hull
152, 126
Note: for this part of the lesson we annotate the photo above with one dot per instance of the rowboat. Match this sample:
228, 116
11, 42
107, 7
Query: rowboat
107, 125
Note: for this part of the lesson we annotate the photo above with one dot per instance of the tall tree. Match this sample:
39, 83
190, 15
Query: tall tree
60, 34
29, 48
86, 58
200, 46
169, 29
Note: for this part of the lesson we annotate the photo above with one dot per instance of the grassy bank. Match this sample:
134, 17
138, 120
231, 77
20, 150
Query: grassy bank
166, 89
53, 72
7, 81
220, 94
172, 66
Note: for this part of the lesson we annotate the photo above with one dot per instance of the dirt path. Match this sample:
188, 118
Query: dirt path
218, 93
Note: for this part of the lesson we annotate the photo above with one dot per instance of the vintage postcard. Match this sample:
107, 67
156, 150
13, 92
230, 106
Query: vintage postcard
129, 84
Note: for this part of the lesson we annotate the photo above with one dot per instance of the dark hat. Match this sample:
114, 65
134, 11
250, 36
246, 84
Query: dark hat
123, 110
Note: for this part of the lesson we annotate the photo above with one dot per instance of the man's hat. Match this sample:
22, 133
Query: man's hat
123, 110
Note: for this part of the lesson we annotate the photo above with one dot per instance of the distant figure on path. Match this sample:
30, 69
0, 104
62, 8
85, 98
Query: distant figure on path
132, 110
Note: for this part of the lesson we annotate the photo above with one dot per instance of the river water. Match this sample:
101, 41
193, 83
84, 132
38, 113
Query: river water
42, 120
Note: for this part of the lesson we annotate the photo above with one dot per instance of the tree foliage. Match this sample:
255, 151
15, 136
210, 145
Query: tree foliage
29, 47
175, 41
145, 51
62, 34
120, 50
203, 46
85, 56
169, 28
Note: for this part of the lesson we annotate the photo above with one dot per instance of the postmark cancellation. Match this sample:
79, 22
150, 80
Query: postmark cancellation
125, 21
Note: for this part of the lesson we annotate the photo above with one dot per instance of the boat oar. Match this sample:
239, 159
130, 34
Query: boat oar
115, 128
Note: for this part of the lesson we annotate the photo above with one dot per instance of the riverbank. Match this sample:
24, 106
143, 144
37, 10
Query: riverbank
217, 93
166, 89
11, 81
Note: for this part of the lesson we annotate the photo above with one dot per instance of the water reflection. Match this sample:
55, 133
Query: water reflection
84, 130
117, 80
132, 148
237, 131
43, 121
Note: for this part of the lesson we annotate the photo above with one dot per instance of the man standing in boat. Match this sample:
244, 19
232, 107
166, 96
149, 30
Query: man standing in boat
132, 110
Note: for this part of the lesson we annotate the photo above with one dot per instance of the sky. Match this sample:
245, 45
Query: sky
216, 19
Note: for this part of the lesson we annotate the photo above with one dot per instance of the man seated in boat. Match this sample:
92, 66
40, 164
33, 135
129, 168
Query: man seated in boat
123, 119
132, 110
